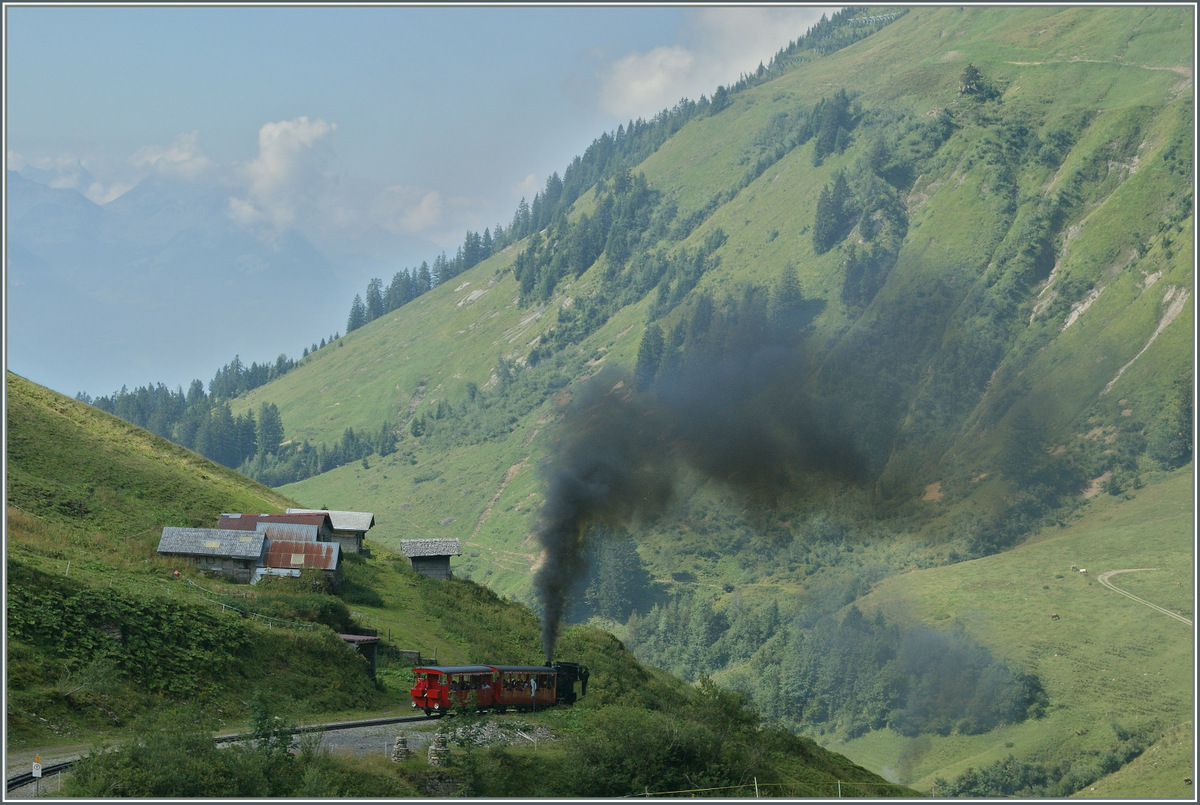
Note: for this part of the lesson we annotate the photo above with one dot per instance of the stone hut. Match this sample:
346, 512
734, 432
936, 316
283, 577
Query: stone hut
232, 553
431, 557
349, 528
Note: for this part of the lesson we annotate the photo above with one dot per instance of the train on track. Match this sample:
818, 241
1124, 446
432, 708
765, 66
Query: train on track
440, 688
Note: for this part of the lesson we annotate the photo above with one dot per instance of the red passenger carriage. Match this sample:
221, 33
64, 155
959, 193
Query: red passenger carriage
439, 688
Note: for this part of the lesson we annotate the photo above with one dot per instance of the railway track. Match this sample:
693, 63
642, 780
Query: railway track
50, 769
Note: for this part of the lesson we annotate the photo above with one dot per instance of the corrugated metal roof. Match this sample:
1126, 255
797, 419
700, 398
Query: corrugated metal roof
300, 532
448, 546
211, 542
289, 554
342, 520
249, 522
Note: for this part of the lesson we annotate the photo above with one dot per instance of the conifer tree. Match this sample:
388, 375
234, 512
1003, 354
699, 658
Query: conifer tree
649, 356
358, 314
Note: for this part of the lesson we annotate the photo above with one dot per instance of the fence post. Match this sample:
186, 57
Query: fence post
839, 789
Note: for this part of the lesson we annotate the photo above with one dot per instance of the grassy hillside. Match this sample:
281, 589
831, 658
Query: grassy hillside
1112, 667
104, 645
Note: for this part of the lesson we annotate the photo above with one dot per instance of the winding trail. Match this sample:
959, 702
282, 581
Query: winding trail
1103, 579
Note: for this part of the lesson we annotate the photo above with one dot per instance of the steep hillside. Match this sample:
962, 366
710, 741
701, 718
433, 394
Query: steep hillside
1118, 674
105, 644
961, 251
1038, 262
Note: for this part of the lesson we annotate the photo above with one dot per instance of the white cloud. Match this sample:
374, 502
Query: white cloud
288, 177
408, 210
721, 44
527, 188
102, 193
182, 158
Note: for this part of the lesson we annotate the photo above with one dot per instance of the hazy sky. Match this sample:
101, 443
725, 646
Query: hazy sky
422, 122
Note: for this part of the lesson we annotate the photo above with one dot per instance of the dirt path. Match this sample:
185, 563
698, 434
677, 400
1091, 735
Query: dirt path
1103, 579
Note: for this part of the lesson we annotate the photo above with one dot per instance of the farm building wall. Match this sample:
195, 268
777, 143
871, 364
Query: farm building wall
435, 567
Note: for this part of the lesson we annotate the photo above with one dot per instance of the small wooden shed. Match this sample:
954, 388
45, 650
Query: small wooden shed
232, 553
431, 557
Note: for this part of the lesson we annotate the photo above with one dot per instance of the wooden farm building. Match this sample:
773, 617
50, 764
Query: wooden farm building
431, 557
246, 547
286, 558
349, 528
232, 553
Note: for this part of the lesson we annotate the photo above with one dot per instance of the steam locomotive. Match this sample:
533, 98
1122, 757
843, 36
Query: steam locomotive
438, 688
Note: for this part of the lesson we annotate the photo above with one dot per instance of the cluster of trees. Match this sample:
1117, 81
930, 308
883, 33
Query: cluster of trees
863, 674
834, 215
163, 411
621, 216
201, 421
707, 330
253, 445
842, 675
1032, 780
616, 583
289, 464
690, 636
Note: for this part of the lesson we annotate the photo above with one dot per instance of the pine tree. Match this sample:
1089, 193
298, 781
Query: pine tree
648, 358
785, 302
825, 226
374, 305
270, 429
358, 314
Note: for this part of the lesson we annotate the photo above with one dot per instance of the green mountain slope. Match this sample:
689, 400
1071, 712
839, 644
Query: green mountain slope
104, 644
1117, 672
988, 213
1052, 281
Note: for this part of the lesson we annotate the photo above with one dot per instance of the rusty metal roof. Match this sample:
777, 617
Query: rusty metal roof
249, 522
211, 542
293, 554
343, 520
448, 546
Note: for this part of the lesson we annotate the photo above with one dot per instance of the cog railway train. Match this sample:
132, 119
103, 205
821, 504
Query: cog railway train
440, 688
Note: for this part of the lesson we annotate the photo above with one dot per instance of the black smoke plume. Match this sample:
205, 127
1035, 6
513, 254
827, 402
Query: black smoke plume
746, 420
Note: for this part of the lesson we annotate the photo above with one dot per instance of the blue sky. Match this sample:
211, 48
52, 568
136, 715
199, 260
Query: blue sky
417, 122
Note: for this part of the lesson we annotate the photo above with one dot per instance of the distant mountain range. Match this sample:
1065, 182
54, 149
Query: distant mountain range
160, 276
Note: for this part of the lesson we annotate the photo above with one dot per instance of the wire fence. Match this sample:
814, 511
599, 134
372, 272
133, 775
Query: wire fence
212, 597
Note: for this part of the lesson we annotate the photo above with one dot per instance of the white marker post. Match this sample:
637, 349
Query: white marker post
37, 774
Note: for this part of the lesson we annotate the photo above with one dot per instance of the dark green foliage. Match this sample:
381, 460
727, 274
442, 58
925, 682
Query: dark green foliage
358, 315
173, 755
833, 119
649, 356
159, 644
863, 674
1028, 779
974, 84
1171, 439
617, 583
835, 214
